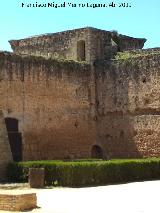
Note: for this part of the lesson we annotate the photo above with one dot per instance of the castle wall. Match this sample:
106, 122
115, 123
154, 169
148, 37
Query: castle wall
64, 108
53, 103
128, 112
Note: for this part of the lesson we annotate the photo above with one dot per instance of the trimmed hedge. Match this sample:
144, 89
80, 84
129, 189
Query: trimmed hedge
88, 173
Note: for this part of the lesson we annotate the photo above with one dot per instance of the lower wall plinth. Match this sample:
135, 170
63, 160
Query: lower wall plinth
18, 202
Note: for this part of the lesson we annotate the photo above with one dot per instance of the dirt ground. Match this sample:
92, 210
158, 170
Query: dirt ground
139, 197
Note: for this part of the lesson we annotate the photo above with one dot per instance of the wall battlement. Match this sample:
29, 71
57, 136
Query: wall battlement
15, 64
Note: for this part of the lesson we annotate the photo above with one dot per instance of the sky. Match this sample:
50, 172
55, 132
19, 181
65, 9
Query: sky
141, 20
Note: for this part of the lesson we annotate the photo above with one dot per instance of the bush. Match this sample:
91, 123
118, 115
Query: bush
88, 173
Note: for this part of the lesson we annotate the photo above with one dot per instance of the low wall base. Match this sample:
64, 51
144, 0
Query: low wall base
18, 202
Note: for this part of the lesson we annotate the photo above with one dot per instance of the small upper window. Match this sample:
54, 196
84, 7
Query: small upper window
81, 55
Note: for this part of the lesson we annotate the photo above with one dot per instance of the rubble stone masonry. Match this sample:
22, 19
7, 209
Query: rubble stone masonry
17, 201
128, 111
52, 102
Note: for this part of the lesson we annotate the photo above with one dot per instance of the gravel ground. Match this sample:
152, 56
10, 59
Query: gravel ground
139, 197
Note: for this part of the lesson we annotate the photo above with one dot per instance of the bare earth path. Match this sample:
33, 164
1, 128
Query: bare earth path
142, 197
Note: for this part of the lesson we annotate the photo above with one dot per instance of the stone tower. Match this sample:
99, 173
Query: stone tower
84, 44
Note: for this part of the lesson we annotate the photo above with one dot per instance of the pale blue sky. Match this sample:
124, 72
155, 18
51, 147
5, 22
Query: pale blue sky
142, 20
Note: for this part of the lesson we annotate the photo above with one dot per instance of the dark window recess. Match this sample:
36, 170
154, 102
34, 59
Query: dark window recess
11, 124
97, 152
144, 80
81, 55
15, 138
121, 133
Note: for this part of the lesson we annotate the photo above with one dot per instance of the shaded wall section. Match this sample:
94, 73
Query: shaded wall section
52, 102
5, 156
128, 107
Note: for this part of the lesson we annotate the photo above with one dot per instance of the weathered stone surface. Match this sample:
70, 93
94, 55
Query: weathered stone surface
36, 177
128, 108
18, 201
65, 108
99, 44
52, 101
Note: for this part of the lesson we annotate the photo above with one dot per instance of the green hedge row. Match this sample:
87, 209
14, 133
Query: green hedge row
88, 173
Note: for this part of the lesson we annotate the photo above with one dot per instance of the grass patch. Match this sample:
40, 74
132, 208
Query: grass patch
135, 54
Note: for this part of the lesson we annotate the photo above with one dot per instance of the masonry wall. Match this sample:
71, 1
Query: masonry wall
57, 45
53, 103
64, 108
128, 107
99, 44
104, 45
